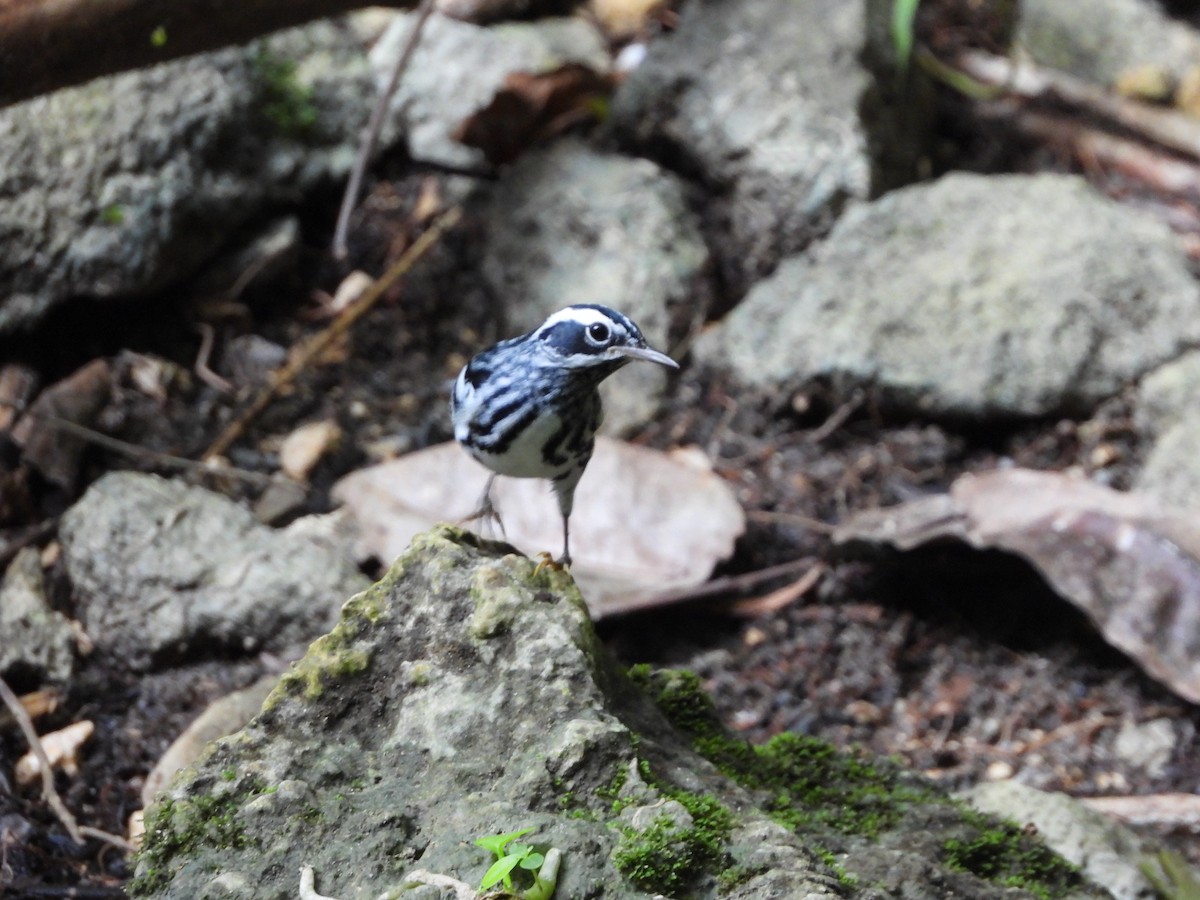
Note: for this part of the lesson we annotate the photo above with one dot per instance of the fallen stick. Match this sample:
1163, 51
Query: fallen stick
1161, 125
301, 357
371, 135
76, 831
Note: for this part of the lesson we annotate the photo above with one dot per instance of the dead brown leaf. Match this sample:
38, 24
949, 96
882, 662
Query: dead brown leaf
62, 751
79, 398
17, 383
644, 521
1132, 566
304, 448
531, 108
622, 19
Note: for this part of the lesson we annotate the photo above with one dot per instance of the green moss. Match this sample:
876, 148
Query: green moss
834, 865
735, 876
611, 792
669, 857
178, 828
311, 816
813, 788
1004, 854
286, 103
810, 785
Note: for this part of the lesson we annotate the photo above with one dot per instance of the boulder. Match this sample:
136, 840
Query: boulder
163, 572
465, 696
972, 296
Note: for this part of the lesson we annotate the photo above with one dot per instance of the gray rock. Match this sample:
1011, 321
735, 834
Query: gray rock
1148, 746
163, 569
973, 296
1171, 471
1168, 395
465, 695
123, 185
762, 101
221, 717
1103, 38
458, 67
1168, 417
38, 642
1109, 854
574, 225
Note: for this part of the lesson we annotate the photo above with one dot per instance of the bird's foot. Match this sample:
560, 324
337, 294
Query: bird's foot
486, 512
546, 561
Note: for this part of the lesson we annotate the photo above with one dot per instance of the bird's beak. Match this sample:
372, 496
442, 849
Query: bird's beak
645, 353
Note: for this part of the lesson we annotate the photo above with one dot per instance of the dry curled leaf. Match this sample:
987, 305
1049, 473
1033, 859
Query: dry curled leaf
531, 108
79, 399
1132, 566
303, 448
644, 521
17, 383
62, 750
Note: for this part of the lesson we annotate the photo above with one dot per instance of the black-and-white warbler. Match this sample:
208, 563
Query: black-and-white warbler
529, 407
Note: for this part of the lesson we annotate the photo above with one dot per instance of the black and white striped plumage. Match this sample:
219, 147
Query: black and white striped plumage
529, 407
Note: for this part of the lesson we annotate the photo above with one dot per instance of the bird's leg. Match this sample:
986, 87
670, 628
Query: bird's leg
487, 509
564, 488
565, 559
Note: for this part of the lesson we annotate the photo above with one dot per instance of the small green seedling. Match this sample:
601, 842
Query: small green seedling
543, 869
904, 13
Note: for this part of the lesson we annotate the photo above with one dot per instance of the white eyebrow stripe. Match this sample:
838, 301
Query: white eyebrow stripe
582, 316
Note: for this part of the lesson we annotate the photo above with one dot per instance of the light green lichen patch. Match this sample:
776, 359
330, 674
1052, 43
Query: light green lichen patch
338, 655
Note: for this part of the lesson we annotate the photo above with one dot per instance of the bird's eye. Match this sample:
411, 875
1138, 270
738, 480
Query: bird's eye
598, 332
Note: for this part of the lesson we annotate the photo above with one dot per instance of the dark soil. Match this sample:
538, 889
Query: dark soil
961, 663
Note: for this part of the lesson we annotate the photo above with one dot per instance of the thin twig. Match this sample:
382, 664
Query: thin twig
207, 375
1151, 165
838, 418
371, 135
31, 535
49, 791
300, 358
753, 607
1167, 127
786, 518
166, 460
727, 584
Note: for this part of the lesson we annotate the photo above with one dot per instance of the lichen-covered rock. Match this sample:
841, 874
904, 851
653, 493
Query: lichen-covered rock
1169, 420
1103, 39
1110, 853
466, 695
35, 640
458, 66
119, 186
769, 103
972, 296
162, 570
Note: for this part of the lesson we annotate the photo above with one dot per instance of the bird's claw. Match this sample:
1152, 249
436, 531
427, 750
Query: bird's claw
546, 561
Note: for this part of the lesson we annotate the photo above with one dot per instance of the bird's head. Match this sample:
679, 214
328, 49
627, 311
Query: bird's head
592, 337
